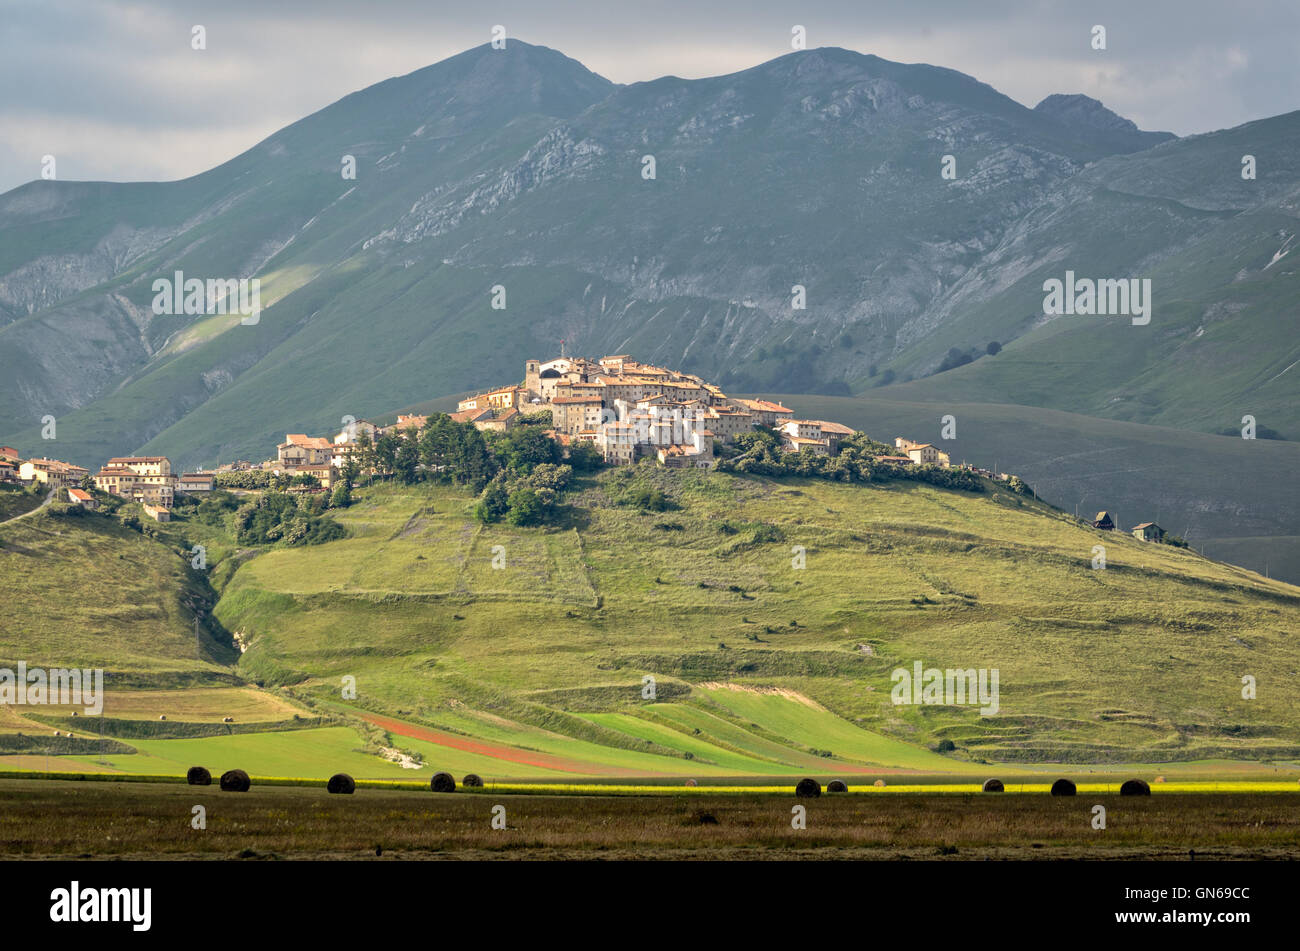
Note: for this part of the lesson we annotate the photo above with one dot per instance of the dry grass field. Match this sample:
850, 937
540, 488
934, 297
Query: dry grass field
44, 819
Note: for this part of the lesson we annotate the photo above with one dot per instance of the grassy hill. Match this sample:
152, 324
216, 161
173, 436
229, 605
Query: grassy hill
536, 669
1234, 499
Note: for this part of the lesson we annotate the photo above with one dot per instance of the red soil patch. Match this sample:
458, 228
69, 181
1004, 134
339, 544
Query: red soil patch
495, 750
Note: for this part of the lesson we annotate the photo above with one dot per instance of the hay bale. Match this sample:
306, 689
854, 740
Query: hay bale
198, 776
442, 782
1135, 787
341, 784
808, 789
472, 781
837, 785
880, 783
227, 719
235, 780
162, 717
1063, 787
1160, 779
993, 785
690, 782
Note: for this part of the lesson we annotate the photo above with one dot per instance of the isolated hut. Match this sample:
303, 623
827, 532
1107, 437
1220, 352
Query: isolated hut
1104, 522
1148, 532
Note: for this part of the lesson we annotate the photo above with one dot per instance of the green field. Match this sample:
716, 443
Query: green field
535, 670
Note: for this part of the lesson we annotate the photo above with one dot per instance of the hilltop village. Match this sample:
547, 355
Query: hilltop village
625, 411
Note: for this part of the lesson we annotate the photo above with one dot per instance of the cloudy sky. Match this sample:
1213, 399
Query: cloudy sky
114, 91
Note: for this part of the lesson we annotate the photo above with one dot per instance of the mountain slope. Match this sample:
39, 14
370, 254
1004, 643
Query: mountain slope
522, 168
1225, 286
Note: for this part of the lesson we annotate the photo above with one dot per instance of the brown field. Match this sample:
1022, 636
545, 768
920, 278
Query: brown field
66, 819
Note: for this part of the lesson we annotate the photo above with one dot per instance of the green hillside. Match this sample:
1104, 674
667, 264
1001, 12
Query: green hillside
1235, 499
1139, 660
535, 669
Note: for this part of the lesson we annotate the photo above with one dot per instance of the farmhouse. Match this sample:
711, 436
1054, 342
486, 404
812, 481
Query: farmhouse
83, 498
299, 450
51, 472
195, 482
145, 479
1148, 532
765, 413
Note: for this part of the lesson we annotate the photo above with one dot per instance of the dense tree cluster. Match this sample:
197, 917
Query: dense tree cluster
277, 516
761, 454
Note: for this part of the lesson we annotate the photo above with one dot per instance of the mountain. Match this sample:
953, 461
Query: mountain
823, 168
1083, 111
521, 167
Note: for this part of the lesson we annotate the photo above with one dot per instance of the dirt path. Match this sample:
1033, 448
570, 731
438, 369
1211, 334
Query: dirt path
48, 499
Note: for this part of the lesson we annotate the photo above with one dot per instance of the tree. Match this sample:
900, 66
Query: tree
585, 457
341, 497
406, 456
366, 453
386, 453
350, 471
993, 349
493, 503
523, 447
525, 508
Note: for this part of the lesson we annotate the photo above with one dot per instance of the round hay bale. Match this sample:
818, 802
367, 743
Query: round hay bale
162, 717
993, 785
442, 782
808, 789
880, 783
227, 719
198, 776
1135, 787
1160, 779
472, 781
57, 733
341, 784
1063, 787
690, 782
837, 785
235, 780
